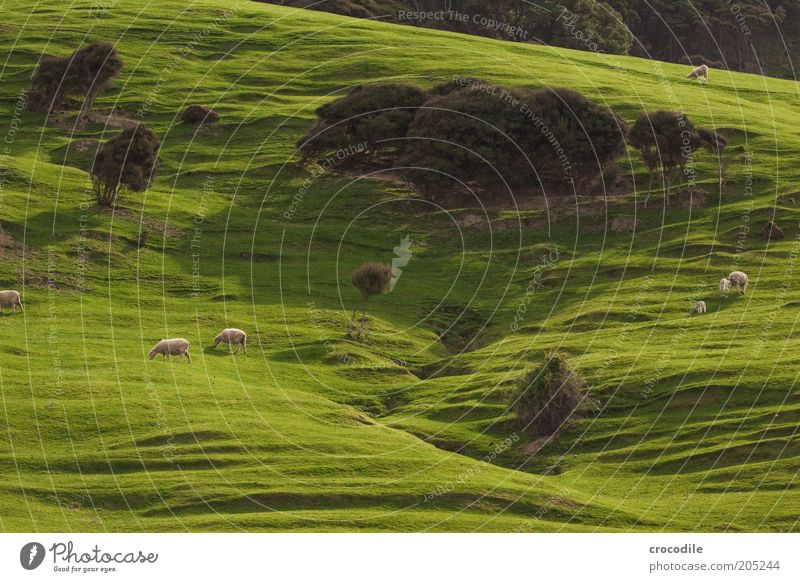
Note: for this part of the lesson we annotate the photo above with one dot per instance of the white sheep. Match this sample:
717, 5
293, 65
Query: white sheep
10, 298
698, 73
700, 307
739, 280
172, 347
232, 337
724, 285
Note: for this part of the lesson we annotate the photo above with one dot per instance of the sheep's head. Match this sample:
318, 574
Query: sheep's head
155, 351
217, 340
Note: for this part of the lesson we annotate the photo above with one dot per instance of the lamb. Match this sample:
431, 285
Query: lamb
232, 337
700, 72
700, 307
724, 285
172, 347
10, 298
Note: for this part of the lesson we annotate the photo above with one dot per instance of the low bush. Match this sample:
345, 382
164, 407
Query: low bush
471, 137
199, 114
475, 133
549, 395
374, 118
83, 75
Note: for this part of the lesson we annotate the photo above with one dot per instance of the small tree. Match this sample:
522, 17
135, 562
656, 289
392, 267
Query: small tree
129, 160
548, 395
83, 75
665, 140
370, 279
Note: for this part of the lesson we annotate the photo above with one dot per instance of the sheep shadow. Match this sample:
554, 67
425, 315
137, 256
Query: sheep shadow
219, 352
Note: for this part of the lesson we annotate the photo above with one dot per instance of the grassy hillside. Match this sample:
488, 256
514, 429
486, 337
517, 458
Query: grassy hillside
699, 414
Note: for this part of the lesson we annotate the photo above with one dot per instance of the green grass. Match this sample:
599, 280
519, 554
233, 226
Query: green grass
698, 429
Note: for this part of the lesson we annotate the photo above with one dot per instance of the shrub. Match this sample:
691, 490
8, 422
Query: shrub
470, 135
199, 114
666, 140
472, 132
129, 160
83, 75
548, 395
591, 136
772, 231
376, 115
370, 279
460, 137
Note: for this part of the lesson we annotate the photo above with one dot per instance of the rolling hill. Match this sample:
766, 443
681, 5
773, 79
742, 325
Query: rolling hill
698, 415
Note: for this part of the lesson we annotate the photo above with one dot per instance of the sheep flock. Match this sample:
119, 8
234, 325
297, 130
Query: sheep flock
236, 337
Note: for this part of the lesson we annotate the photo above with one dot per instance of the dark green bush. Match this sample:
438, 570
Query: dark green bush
666, 141
83, 75
548, 395
470, 137
199, 114
374, 116
472, 132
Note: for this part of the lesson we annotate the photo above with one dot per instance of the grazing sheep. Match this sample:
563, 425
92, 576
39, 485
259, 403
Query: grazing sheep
698, 73
739, 280
10, 298
232, 337
172, 347
724, 284
700, 307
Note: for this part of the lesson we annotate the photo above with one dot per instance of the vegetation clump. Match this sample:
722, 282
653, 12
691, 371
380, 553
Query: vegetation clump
83, 75
488, 138
127, 161
199, 114
469, 136
373, 117
666, 141
549, 395
772, 231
